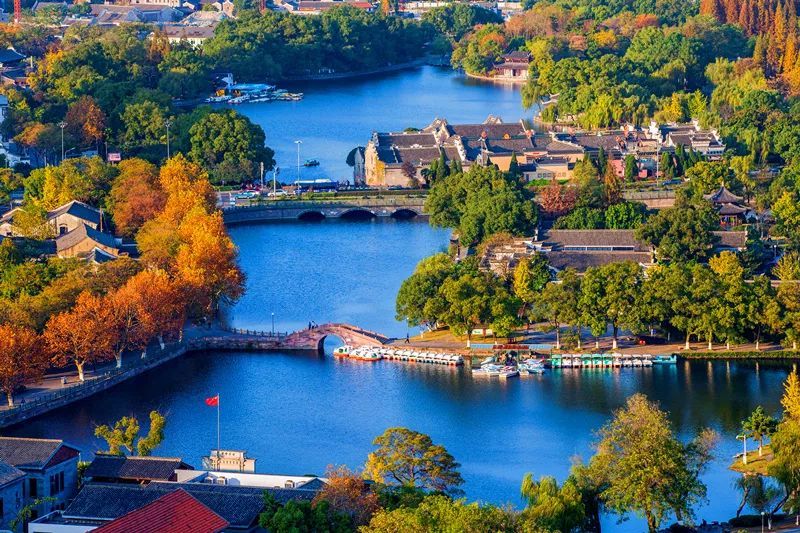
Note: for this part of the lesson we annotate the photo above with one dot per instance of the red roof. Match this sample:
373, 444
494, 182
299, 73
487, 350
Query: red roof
175, 512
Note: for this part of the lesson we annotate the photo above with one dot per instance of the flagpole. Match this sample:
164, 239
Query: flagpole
218, 467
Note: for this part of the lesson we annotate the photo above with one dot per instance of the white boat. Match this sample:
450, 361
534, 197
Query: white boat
531, 366
499, 371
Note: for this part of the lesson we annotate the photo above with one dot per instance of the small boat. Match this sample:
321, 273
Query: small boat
499, 371
311, 163
365, 354
342, 351
531, 366
665, 359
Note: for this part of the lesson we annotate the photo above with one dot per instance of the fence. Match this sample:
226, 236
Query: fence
254, 333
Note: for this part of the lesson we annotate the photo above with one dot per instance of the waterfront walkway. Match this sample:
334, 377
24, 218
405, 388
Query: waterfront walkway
61, 388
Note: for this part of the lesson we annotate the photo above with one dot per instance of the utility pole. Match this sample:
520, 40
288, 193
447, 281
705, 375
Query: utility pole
298, 143
274, 180
167, 124
261, 171
62, 125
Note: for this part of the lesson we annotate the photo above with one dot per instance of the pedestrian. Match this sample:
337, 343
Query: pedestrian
408, 341
309, 324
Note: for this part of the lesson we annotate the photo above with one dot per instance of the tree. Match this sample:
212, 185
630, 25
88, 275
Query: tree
612, 185
22, 358
550, 507
122, 438
788, 267
785, 466
625, 215
86, 334
611, 293
648, 471
559, 303
758, 426
136, 195
348, 494
86, 122
530, 276
144, 124
558, 199
409, 458
417, 298
681, 233
229, 147
475, 299
631, 168
440, 513
514, 171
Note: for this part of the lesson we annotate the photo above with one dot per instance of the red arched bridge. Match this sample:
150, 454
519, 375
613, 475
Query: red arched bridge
311, 339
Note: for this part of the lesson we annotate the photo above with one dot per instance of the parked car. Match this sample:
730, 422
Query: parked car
280, 193
246, 195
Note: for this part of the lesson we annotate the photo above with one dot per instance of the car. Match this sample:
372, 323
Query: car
246, 195
672, 182
280, 193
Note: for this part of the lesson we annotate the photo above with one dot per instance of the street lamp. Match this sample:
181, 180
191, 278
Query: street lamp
167, 124
762, 521
744, 442
298, 143
273, 324
62, 125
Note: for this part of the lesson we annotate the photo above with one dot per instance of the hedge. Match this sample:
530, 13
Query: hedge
776, 354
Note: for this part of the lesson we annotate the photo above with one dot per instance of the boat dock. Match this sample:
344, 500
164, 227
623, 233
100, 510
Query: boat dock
608, 360
364, 353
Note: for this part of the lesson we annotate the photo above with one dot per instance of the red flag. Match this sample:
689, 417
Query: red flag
213, 401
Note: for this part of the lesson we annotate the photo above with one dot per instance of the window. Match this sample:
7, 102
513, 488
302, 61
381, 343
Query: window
1, 508
56, 483
33, 488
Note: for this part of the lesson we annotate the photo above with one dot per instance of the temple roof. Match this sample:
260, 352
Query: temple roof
723, 196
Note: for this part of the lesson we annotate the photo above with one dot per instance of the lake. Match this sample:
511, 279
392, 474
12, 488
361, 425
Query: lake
336, 116
299, 413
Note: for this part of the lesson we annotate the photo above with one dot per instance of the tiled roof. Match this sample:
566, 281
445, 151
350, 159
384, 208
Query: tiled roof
132, 468
77, 209
406, 139
28, 453
7, 55
240, 506
175, 512
99, 256
82, 232
581, 261
517, 56
489, 131
562, 147
594, 237
9, 474
731, 239
723, 196
189, 32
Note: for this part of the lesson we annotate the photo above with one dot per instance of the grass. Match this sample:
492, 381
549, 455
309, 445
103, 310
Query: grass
755, 464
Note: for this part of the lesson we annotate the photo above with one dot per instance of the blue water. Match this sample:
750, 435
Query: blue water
336, 116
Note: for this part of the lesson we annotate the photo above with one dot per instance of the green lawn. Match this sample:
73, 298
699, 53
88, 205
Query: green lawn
755, 464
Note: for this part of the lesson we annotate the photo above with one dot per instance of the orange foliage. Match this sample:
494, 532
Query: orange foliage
158, 304
646, 20
136, 195
22, 358
206, 261
86, 334
347, 493
85, 120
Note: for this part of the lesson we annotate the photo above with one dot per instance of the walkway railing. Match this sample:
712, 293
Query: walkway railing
336, 202
254, 333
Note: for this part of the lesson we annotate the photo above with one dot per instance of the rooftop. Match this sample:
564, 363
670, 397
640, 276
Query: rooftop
175, 512
135, 468
31, 453
82, 232
9, 474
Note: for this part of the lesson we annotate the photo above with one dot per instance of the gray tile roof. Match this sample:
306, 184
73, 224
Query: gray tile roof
28, 453
581, 261
9, 474
595, 237
68, 240
731, 239
77, 209
9, 55
130, 468
240, 506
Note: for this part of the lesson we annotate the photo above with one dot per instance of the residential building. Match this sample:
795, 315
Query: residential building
229, 461
134, 469
84, 240
12, 487
61, 220
250, 479
690, 136
50, 467
514, 67
194, 35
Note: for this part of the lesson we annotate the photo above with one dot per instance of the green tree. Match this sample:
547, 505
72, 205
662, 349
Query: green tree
559, 303
759, 425
610, 294
647, 470
625, 215
418, 300
122, 437
550, 507
785, 466
681, 233
408, 458
475, 299
631, 168
530, 276
144, 124
229, 147
440, 513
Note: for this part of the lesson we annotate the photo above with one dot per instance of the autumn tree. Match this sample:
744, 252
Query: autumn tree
785, 466
122, 437
558, 199
85, 121
136, 195
85, 334
408, 458
158, 302
22, 358
530, 276
347, 493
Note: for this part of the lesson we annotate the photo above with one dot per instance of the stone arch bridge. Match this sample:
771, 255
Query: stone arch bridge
363, 208
304, 340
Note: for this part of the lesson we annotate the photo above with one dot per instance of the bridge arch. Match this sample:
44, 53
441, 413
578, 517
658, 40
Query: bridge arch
314, 339
405, 213
357, 213
311, 215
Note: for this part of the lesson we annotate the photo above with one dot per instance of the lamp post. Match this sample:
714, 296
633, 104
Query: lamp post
273, 324
298, 143
744, 442
62, 125
167, 124
762, 521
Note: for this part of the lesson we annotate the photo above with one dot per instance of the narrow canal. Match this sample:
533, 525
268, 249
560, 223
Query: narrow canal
300, 413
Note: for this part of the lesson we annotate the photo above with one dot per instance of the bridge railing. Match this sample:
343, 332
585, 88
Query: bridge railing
336, 202
255, 333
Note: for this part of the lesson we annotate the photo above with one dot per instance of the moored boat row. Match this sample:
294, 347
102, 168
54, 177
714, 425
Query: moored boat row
609, 360
368, 353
